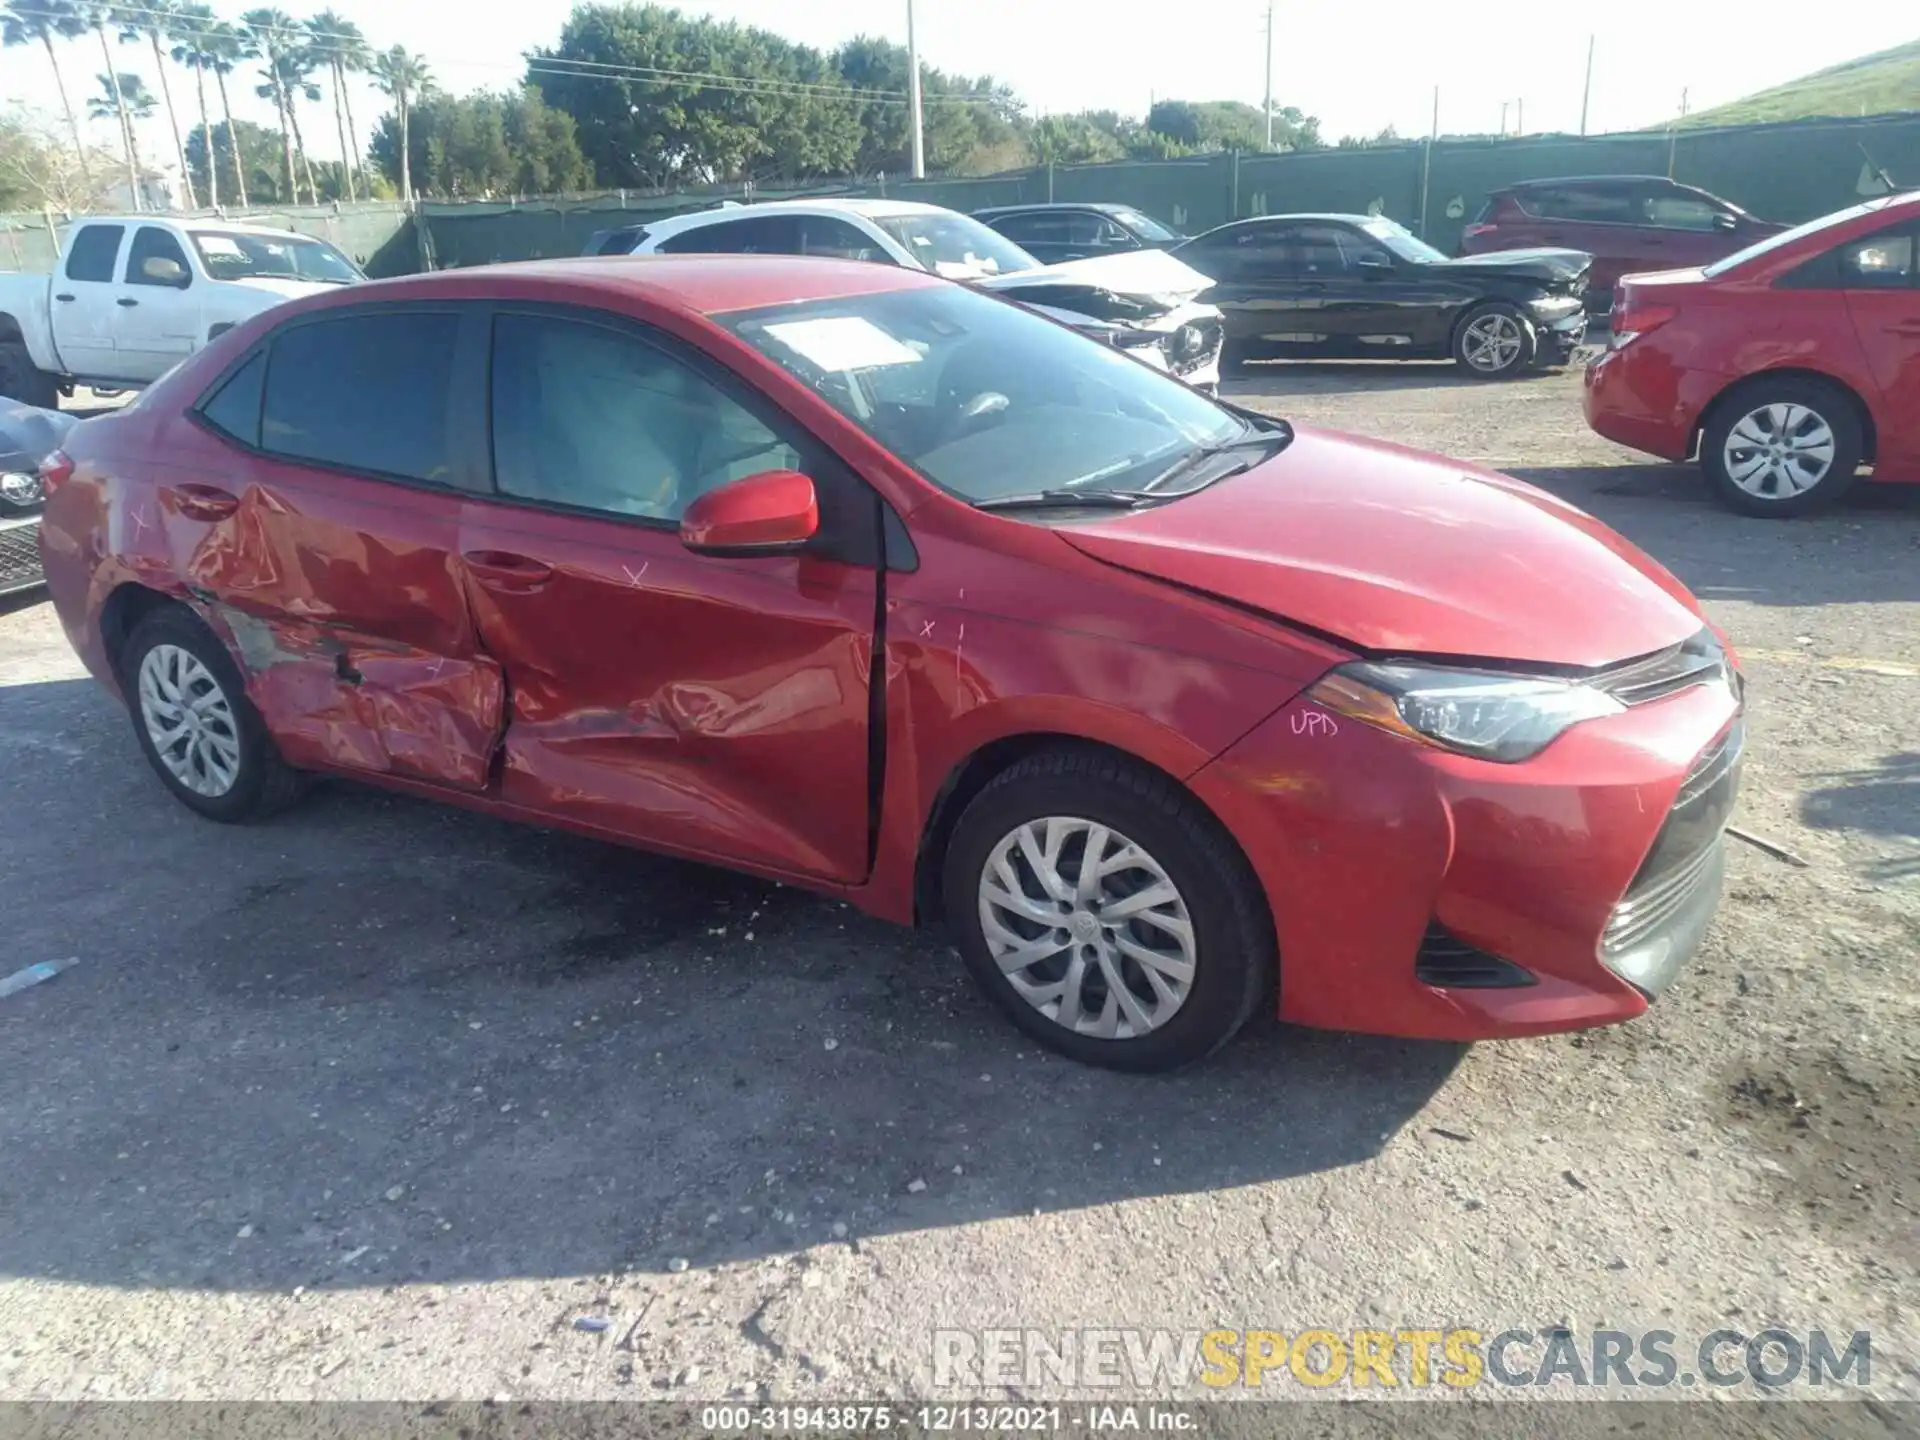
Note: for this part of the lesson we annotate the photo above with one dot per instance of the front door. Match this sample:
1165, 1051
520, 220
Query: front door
712, 707
314, 512
159, 307
85, 317
1881, 276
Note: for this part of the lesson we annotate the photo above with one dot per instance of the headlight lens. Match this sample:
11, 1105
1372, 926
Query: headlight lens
20, 489
1476, 712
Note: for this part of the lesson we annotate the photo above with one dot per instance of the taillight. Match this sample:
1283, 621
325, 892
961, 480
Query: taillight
1633, 318
1476, 229
55, 471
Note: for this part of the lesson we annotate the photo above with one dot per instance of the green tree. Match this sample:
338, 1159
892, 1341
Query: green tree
39, 167
192, 29
969, 124
272, 35
154, 21
26, 22
100, 16
484, 144
255, 165
404, 78
226, 46
1210, 125
124, 95
337, 44
1073, 140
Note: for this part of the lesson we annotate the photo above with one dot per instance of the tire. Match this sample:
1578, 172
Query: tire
1816, 423
1494, 341
1233, 360
1088, 797
22, 380
185, 655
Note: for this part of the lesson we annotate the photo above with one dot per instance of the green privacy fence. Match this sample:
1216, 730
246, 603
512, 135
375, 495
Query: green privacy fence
1790, 172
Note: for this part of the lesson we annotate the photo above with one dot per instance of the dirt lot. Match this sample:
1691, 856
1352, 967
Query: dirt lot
378, 1100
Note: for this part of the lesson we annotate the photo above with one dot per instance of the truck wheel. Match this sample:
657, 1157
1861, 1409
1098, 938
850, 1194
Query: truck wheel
22, 380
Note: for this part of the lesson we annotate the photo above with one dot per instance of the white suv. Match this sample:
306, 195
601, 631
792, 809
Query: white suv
1142, 301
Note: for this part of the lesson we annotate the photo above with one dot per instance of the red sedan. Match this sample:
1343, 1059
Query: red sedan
1785, 367
856, 578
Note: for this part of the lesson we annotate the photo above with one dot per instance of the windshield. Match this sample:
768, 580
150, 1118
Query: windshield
1145, 226
1401, 241
985, 399
957, 246
1798, 232
236, 255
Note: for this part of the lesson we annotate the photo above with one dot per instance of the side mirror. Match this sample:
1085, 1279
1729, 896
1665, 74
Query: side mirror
772, 513
1373, 264
164, 271
1726, 222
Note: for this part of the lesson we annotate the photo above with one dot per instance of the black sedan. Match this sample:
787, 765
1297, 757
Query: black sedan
27, 436
1055, 232
1361, 286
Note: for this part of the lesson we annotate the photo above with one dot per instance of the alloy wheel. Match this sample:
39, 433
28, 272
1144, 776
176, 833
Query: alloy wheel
1492, 342
189, 720
1777, 451
1087, 927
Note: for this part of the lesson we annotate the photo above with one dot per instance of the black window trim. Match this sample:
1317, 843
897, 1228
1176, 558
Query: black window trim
1823, 271
130, 276
468, 369
786, 428
123, 231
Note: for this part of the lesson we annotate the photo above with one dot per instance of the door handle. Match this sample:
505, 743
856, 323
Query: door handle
66, 298
201, 502
507, 573
124, 301
1906, 327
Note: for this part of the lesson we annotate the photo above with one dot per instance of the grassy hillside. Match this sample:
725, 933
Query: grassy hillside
1871, 85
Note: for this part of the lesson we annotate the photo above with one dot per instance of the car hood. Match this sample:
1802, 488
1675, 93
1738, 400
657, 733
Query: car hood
1397, 552
1522, 264
1139, 284
286, 289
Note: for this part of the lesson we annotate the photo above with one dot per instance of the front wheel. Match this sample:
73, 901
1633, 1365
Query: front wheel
1107, 912
1495, 342
194, 722
1784, 447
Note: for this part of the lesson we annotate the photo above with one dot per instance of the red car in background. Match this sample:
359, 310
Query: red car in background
859, 579
1626, 222
1786, 366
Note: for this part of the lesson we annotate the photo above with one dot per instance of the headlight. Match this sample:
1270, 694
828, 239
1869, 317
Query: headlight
1556, 305
1484, 713
18, 489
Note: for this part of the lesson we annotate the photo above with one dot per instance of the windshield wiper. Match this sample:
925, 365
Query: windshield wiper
1278, 436
1062, 498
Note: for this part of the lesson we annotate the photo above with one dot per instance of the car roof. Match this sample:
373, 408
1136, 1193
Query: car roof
1542, 183
194, 222
1104, 207
1323, 215
825, 205
700, 284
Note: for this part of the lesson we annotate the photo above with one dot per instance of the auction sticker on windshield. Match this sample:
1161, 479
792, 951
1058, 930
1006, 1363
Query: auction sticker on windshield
843, 342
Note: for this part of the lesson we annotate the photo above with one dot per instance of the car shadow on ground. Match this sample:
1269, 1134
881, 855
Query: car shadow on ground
1266, 379
1883, 801
378, 1040
1865, 549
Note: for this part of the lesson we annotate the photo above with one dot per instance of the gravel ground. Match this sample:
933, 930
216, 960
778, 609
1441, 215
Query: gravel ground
377, 1100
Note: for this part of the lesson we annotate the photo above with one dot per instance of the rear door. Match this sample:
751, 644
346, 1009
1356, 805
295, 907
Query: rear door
318, 527
1881, 278
1598, 216
1268, 306
160, 316
85, 318
1043, 234
712, 707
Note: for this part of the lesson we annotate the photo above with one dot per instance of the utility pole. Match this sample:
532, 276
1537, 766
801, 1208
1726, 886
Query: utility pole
1503, 119
1586, 91
1426, 163
1520, 116
913, 99
1269, 74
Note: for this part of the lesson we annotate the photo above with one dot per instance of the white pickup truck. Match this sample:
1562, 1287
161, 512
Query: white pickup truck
132, 296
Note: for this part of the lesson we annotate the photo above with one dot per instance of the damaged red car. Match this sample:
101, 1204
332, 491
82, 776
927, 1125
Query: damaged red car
859, 579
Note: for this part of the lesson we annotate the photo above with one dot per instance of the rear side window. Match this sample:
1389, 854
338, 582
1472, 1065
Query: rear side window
1581, 203
366, 393
92, 253
1880, 262
234, 409
825, 235
761, 235
1033, 229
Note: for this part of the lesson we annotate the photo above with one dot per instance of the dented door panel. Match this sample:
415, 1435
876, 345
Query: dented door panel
711, 707
342, 603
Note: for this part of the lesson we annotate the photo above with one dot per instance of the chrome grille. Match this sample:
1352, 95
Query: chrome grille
1692, 662
1649, 908
19, 557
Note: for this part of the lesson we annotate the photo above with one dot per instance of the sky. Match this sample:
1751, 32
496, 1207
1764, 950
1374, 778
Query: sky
1360, 66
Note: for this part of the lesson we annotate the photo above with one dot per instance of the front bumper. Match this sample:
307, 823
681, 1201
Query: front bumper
20, 555
1553, 887
1559, 339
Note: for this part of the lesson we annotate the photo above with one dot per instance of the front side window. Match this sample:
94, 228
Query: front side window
90, 257
1146, 227
1039, 228
155, 258
596, 418
1799, 232
1682, 212
983, 398
242, 255
1401, 241
957, 246
367, 393
828, 235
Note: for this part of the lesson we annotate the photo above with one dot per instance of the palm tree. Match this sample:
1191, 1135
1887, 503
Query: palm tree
193, 32
25, 21
226, 47
124, 94
98, 16
339, 45
151, 20
272, 34
403, 76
